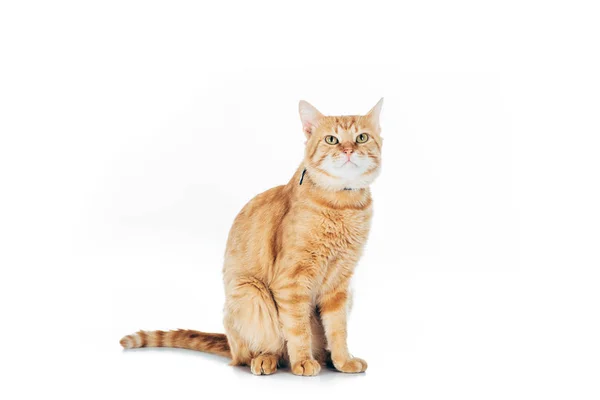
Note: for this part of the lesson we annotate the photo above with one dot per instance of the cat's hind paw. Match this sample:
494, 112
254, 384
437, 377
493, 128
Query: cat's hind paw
265, 364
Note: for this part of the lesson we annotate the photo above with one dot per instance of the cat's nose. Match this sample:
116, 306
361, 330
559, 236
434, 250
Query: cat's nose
348, 152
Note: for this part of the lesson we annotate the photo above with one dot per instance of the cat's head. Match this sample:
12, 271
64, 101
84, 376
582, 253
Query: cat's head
342, 152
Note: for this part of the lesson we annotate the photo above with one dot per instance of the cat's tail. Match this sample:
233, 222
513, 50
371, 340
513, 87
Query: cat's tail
215, 343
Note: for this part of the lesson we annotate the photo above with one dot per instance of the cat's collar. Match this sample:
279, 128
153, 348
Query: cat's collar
304, 173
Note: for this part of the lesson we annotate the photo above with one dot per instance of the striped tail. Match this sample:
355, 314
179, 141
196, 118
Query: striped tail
215, 343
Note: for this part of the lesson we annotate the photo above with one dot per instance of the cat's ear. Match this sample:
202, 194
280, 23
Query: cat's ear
375, 111
309, 116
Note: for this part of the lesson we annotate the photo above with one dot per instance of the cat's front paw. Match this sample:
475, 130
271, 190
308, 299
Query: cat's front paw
352, 365
306, 368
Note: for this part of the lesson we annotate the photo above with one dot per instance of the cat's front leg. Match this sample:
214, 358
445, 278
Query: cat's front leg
333, 310
293, 299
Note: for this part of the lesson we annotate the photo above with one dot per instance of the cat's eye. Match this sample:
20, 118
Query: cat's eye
363, 137
331, 139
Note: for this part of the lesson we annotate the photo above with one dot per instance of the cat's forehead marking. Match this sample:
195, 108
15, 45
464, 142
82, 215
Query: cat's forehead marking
345, 123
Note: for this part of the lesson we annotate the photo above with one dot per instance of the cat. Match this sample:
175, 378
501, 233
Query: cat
290, 255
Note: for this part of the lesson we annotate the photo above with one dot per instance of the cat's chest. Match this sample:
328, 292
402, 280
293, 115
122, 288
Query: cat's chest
341, 230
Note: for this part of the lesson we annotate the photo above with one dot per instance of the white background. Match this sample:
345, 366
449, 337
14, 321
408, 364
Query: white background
133, 132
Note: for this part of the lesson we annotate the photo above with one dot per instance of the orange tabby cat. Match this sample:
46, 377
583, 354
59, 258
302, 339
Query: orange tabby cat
290, 255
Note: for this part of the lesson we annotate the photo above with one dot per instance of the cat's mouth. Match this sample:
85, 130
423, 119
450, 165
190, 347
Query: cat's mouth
349, 163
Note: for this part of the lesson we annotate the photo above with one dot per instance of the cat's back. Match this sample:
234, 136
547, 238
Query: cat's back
253, 237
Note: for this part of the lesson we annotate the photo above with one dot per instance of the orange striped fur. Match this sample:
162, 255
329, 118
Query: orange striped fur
290, 255
183, 338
